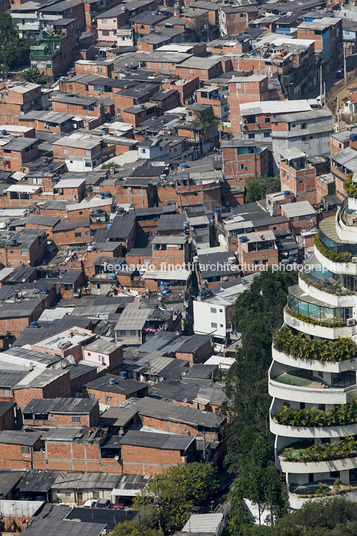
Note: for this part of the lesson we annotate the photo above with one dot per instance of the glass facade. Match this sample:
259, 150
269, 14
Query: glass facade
318, 312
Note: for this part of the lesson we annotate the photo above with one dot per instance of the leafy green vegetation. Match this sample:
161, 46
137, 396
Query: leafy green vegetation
14, 52
332, 285
337, 416
331, 255
302, 346
331, 323
129, 528
333, 517
258, 313
111, 165
170, 497
350, 186
35, 76
345, 448
261, 483
259, 187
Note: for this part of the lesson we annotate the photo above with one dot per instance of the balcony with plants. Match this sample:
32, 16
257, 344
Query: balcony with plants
320, 311
306, 385
303, 347
313, 325
324, 285
302, 451
300, 493
337, 416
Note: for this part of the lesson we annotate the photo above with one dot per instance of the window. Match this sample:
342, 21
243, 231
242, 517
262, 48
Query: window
23, 253
105, 33
36, 181
6, 392
87, 153
267, 120
77, 235
100, 70
221, 310
304, 125
213, 310
101, 358
95, 494
213, 325
109, 399
76, 419
203, 71
65, 151
221, 325
238, 85
25, 450
88, 164
105, 21
250, 136
52, 415
241, 166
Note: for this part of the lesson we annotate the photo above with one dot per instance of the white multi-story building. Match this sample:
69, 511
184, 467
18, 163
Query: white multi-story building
312, 378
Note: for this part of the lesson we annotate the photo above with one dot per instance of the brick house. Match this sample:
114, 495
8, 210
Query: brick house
195, 349
62, 412
297, 176
112, 390
18, 152
17, 99
170, 251
174, 418
42, 383
17, 449
68, 342
257, 250
149, 453
243, 159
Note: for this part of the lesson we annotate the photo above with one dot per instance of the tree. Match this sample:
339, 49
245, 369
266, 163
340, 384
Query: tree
259, 187
14, 52
334, 516
110, 165
258, 313
171, 496
129, 528
35, 76
207, 123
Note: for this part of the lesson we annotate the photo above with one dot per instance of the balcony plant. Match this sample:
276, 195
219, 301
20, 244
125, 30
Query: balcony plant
338, 416
332, 285
302, 346
345, 448
345, 256
335, 322
350, 187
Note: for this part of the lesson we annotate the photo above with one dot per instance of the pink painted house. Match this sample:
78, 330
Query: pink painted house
109, 22
104, 353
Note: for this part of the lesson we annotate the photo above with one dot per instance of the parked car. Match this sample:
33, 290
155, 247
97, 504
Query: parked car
90, 503
103, 503
123, 503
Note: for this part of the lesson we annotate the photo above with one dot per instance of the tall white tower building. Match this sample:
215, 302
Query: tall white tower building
312, 378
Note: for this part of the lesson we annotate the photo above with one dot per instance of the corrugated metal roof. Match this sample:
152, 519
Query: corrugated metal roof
61, 405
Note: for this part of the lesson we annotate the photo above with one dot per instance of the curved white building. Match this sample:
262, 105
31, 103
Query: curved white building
312, 378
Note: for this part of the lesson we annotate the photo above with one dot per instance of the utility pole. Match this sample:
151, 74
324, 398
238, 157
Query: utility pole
321, 83
325, 99
344, 63
338, 113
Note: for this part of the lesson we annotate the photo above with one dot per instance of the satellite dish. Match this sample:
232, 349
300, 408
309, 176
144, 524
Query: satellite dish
161, 379
116, 458
185, 400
